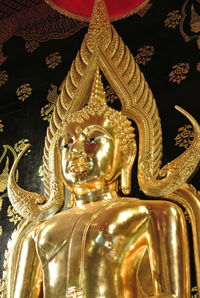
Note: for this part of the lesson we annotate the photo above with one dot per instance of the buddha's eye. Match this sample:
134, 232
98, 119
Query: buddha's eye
91, 145
91, 140
66, 146
68, 143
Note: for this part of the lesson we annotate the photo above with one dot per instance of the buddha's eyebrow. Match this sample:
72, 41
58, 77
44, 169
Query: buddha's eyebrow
67, 135
96, 128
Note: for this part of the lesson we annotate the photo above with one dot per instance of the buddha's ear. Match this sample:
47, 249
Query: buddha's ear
128, 160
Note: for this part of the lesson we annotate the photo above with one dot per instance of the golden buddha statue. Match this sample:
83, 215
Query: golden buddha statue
97, 247
103, 245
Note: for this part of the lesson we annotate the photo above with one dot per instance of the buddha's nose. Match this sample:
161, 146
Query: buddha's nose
74, 154
77, 152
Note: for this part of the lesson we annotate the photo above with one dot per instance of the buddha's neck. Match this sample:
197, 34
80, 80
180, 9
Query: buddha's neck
103, 194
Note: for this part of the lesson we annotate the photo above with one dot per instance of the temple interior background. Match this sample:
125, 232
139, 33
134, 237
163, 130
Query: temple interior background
37, 47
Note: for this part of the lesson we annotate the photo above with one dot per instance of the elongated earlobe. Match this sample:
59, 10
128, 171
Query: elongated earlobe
128, 160
71, 202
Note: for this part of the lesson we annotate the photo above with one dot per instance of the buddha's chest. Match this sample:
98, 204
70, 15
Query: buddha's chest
89, 248
98, 227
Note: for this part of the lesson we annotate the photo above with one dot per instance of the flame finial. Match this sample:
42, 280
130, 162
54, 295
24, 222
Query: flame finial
99, 32
98, 95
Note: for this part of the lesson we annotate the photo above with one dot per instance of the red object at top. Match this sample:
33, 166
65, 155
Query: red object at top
82, 9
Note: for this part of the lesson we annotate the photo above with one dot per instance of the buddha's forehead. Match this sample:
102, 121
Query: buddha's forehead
93, 123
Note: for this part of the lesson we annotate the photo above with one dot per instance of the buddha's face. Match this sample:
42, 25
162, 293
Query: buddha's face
90, 155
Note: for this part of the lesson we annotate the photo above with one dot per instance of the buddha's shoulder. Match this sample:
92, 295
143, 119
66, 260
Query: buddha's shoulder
65, 220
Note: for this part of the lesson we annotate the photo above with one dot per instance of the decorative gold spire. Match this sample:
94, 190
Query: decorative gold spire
98, 95
99, 28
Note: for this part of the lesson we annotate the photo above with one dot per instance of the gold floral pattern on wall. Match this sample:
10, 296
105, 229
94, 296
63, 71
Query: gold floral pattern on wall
4, 176
1, 126
41, 172
195, 24
13, 215
47, 110
195, 20
110, 94
185, 136
53, 60
24, 91
20, 145
190, 22
179, 72
3, 77
31, 46
144, 54
173, 19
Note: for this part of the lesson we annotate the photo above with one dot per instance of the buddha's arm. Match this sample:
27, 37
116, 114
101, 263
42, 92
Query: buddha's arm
161, 243
169, 255
24, 274
168, 250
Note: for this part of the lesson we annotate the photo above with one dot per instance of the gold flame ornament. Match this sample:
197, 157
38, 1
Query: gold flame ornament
89, 147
